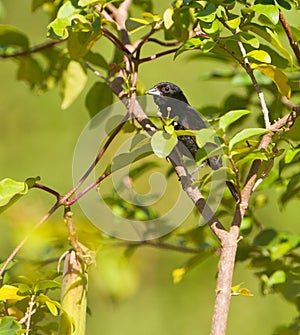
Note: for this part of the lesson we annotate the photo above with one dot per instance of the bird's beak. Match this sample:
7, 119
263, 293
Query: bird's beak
153, 91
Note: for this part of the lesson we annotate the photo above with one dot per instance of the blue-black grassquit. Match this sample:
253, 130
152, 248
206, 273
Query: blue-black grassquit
172, 104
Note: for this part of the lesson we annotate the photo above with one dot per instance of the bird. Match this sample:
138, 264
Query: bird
173, 104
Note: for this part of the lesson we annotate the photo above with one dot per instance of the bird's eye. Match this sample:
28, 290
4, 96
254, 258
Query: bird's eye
167, 88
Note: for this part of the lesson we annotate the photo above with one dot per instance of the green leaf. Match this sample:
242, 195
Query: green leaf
208, 14
245, 135
277, 76
191, 44
81, 39
66, 13
84, 3
11, 36
277, 277
96, 59
250, 157
232, 116
271, 37
168, 18
37, 3
46, 284
98, 97
73, 81
30, 71
52, 308
234, 23
248, 39
9, 326
8, 292
269, 11
126, 159
162, 144
9, 189
221, 174
204, 136
260, 55
290, 155
135, 24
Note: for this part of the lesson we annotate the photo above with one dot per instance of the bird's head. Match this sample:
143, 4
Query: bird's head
168, 90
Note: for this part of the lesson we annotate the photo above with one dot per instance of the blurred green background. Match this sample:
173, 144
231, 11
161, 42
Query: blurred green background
38, 139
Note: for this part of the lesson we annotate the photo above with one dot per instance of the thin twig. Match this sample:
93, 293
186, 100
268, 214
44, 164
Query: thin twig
30, 311
245, 64
115, 41
260, 94
47, 189
287, 29
162, 43
21, 244
34, 49
96, 72
158, 55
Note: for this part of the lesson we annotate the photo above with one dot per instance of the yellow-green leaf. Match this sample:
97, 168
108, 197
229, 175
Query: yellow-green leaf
231, 117
277, 76
10, 188
162, 144
245, 135
8, 292
74, 79
260, 55
178, 274
168, 18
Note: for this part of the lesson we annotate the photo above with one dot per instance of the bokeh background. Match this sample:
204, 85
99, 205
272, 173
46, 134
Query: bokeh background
133, 295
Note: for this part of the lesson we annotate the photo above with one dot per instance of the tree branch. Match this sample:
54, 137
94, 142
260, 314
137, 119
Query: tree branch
34, 49
20, 245
287, 29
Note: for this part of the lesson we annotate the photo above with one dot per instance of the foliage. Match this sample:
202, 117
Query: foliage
259, 48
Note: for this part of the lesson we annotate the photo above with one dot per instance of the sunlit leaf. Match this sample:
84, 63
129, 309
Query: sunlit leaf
269, 11
277, 277
191, 44
163, 143
290, 155
277, 76
260, 55
84, 3
81, 40
135, 24
73, 82
52, 308
234, 23
229, 118
271, 37
245, 135
66, 13
208, 14
168, 18
8, 292
248, 39
9, 189
238, 290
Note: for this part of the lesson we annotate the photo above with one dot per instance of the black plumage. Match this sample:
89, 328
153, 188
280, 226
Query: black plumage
172, 103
